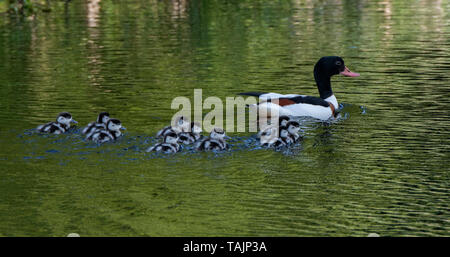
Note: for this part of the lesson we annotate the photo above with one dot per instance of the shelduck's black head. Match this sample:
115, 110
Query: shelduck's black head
325, 68
103, 117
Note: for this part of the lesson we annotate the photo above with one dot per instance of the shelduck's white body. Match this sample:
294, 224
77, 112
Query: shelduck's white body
268, 109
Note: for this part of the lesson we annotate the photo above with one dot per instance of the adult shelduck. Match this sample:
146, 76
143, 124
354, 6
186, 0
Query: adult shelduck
323, 107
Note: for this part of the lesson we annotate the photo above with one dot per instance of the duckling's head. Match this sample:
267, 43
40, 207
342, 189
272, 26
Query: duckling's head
65, 118
184, 137
114, 125
180, 124
283, 120
171, 138
284, 132
217, 133
269, 135
103, 117
293, 127
196, 128
180, 120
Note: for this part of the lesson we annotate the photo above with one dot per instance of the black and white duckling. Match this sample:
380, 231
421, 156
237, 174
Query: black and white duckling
215, 141
170, 144
285, 136
181, 124
102, 119
283, 139
282, 121
269, 136
192, 136
293, 127
111, 133
61, 125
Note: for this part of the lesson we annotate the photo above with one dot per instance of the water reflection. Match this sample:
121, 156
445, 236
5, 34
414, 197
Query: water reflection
93, 9
94, 56
179, 8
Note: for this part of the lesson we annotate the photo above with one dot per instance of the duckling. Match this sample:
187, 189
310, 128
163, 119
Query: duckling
285, 136
111, 133
284, 139
215, 141
269, 136
282, 121
102, 119
192, 136
181, 125
170, 144
293, 127
61, 125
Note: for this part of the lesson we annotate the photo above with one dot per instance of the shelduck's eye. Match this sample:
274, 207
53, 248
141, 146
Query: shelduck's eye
338, 63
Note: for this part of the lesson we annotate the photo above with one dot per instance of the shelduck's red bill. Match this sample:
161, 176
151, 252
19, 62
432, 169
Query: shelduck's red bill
348, 73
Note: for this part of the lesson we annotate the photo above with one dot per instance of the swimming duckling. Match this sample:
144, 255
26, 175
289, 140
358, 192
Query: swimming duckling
269, 136
192, 136
285, 136
181, 125
282, 121
111, 133
215, 141
102, 119
284, 139
170, 144
61, 125
293, 127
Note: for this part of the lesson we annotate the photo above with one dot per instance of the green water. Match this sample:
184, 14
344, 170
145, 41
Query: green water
383, 167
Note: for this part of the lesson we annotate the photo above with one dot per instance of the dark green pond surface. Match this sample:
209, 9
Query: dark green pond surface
383, 167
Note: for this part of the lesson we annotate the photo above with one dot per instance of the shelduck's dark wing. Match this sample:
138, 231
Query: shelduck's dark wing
284, 100
305, 100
